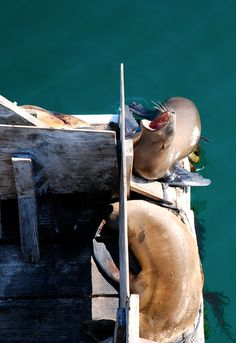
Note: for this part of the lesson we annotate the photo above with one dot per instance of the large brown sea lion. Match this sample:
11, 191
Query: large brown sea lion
54, 119
165, 140
170, 281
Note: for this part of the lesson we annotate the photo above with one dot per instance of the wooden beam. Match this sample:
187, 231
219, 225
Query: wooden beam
151, 189
59, 274
129, 163
28, 218
12, 114
66, 161
123, 227
120, 335
1, 234
133, 319
44, 320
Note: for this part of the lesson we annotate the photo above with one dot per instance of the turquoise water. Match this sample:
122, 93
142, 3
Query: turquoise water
65, 55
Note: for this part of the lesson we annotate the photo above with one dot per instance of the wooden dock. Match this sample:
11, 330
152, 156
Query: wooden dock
53, 184
57, 182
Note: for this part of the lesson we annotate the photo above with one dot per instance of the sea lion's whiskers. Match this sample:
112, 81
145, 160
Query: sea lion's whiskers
166, 106
162, 106
158, 106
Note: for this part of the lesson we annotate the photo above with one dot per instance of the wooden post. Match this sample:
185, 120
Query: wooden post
129, 163
123, 227
133, 319
28, 218
121, 322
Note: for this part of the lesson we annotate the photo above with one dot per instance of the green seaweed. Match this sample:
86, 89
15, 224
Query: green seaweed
218, 302
215, 299
207, 328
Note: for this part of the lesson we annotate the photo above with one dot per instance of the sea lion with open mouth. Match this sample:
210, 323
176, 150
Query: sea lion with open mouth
163, 141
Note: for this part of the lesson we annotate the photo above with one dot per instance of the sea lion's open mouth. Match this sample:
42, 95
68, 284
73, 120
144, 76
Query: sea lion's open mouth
160, 122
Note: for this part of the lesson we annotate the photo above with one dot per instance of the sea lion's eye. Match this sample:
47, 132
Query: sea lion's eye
170, 131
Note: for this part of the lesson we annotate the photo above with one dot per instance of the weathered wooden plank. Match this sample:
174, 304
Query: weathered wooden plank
120, 327
63, 270
44, 320
12, 114
98, 118
104, 307
1, 234
65, 161
183, 203
100, 284
28, 218
133, 319
129, 163
123, 226
151, 189
29, 228
23, 175
61, 217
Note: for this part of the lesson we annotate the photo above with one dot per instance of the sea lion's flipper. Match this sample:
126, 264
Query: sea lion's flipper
183, 177
142, 111
106, 252
131, 125
105, 260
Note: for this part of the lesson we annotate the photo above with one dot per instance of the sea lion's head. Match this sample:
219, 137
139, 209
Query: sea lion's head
153, 149
161, 129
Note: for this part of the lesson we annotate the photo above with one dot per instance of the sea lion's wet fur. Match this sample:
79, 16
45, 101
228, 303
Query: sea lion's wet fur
170, 282
156, 152
54, 119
